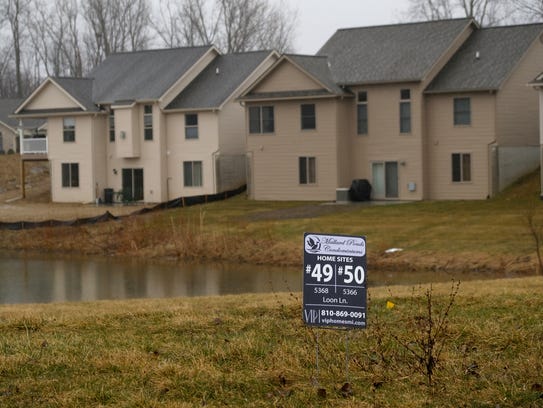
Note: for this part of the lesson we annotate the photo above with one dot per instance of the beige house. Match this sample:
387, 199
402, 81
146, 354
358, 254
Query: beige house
148, 126
433, 110
537, 83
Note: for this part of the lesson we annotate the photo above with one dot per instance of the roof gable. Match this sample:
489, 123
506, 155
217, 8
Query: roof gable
295, 76
142, 75
216, 84
390, 53
68, 94
486, 59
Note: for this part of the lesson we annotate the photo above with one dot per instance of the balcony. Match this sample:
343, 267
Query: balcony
34, 148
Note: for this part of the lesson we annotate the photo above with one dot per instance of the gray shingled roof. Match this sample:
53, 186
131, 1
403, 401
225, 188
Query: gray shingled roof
142, 75
211, 89
390, 53
499, 50
319, 68
8, 106
80, 89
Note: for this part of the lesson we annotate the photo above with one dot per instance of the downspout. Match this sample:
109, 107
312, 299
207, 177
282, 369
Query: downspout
214, 156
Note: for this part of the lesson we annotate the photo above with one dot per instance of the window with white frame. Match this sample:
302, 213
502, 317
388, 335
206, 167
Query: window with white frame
307, 170
405, 111
308, 116
461, 167
148, 122
362, 113
261, 119
192, 174
462, 111
68, 129
191, 126
111, 125
70, 175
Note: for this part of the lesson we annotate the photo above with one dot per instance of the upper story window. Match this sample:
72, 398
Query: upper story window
462, 111
308, 117
112, 125
192, 174
362, 113
70, 174
148, 122
261, 119
307, 170
191, 126
461, 167
68, 129
405, 111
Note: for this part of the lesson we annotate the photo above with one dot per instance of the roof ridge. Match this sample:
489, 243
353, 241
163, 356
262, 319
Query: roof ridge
305, 55
405, 24
512, 26
160, 50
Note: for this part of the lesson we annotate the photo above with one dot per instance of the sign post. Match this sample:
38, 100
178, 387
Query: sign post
334, 284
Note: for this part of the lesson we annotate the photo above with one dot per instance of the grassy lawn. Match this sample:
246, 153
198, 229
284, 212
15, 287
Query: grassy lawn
254, 351
457, 235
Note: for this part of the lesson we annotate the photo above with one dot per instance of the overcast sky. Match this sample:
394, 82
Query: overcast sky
319, 19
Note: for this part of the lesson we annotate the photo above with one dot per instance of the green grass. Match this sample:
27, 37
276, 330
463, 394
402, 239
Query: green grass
255, 351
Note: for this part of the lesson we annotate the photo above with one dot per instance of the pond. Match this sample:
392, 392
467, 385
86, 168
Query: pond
45, 280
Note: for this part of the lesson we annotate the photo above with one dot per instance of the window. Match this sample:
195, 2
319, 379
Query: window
70, 174
192, 173
112, 125
308, 117
405, 111
148, 122
307, 170
461, 167
462, 111
362, 113
191, 126
261, 119
68, 129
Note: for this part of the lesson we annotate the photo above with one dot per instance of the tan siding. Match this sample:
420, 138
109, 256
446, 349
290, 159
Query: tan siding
345, 128
275, 156
517, 112
100, 139
286, 77
80, 152
232, 129
445, 139
384, 142
201, 149
127, 132
51, 97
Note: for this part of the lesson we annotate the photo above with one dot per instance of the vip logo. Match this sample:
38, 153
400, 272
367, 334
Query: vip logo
312, 316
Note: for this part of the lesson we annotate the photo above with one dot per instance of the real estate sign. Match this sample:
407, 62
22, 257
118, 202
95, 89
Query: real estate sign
334, 284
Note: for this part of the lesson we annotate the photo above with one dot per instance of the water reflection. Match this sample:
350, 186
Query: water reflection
32, 280
44, 281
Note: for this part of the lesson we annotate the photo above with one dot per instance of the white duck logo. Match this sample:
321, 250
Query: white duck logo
312, 244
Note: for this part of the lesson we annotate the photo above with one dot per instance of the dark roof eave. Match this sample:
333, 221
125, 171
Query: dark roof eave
380, 82
460, 90
43, 113
293, 95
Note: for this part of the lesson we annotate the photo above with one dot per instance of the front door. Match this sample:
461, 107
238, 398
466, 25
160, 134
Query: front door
385, 180
132, 184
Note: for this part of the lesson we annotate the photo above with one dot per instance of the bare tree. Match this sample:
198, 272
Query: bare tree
232, 25
485, 12
13, 12
530, 10
115, 26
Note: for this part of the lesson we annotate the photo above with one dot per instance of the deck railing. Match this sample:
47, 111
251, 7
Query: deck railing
34, 146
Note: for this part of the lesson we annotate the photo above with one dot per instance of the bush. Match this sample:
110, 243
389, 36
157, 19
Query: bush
2, 152
10, 151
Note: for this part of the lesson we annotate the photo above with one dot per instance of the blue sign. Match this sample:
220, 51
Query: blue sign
334, 289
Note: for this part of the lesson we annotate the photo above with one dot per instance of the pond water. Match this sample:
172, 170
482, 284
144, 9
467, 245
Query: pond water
45, 280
